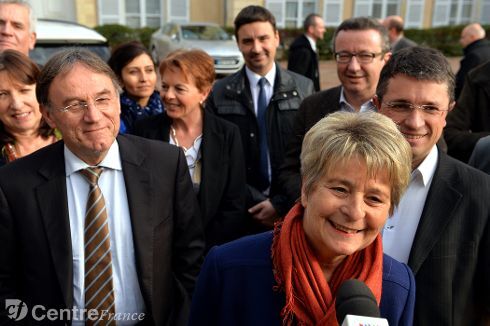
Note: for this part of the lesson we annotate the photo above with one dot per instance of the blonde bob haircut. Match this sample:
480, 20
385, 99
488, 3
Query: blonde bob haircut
368, 136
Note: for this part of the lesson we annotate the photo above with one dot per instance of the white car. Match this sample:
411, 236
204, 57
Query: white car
54, 35
205, 36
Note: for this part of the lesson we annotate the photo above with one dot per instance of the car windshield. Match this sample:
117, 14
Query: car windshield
204, 33
42, 52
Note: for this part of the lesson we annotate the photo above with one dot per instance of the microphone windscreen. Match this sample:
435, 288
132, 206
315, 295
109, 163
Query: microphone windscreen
355, 298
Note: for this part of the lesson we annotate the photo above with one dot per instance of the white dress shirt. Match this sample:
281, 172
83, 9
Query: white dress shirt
365, 107
254, 78
399, 230
127, 291
312, 42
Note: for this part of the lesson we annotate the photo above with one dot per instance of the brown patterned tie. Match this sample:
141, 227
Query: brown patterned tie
99, 291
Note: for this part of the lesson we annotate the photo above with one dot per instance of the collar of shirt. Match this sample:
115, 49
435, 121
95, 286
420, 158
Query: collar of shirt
427, 168
112, 160
345, 106
254, 78
312, 42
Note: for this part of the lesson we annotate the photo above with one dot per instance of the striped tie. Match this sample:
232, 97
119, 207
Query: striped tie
99, 291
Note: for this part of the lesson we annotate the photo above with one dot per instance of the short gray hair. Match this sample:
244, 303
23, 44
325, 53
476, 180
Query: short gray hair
372, 137
65, 60
32, 14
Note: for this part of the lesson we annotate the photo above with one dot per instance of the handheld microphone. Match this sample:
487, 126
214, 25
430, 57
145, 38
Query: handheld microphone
355, 304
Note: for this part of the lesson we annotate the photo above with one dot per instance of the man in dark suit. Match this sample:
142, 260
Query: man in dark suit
361, 49
262, 99
480, 158
470, 119
394, 25
141, 211
476, 50
441, 227
303, 53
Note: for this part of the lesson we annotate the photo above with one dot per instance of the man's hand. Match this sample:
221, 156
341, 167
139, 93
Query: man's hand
264, 213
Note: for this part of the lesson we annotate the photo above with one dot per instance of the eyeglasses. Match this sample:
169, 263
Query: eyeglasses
405, 108
362, 57
102, 103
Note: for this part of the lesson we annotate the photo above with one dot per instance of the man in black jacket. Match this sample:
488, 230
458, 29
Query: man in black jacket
361, 49
262, 99
476, 50
394, 25
470, 119
303, 53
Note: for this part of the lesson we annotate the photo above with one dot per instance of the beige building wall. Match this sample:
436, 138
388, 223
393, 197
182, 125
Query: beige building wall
207, 11
348, 9
86, 11
234, 7
428, 8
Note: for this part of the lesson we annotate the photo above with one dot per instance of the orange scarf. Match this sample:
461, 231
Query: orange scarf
310, 300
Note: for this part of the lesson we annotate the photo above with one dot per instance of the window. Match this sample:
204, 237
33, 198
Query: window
415, 14
132, 13
485, 12
376, 8
276, 7
452, 12
178, 10
108, 12
333, 12
291, 13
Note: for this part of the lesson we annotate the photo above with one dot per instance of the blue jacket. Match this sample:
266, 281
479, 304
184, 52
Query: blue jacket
236, 281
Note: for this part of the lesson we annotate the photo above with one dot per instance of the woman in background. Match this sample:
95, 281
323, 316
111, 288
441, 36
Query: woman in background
212, 146
135, 69
22, 128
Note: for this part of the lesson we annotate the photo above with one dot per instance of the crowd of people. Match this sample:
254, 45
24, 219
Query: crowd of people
248, 200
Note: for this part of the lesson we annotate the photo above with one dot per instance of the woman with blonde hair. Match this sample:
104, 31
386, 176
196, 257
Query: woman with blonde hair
354, 169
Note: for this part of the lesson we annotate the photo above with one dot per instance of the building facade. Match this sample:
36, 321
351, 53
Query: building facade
289, 13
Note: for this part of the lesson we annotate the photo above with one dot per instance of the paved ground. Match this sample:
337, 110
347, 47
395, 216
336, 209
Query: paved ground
328, 71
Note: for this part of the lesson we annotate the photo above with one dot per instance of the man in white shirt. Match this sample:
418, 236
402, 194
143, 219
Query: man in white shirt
361, 49
441, 227
262, 99
102, 225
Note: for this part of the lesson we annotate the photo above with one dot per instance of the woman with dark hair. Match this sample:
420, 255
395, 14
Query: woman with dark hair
22, 128
212, 146
135, 69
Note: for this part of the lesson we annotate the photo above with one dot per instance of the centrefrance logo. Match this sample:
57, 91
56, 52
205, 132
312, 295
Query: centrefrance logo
18, 310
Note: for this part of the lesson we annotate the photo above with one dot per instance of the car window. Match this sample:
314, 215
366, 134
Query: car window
206, 33
42, 52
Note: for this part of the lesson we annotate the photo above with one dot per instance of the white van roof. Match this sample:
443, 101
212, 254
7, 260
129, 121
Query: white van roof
58, 31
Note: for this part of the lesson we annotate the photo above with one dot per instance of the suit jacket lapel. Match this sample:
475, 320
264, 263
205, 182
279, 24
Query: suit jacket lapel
53, 205
438, 211
138, 189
